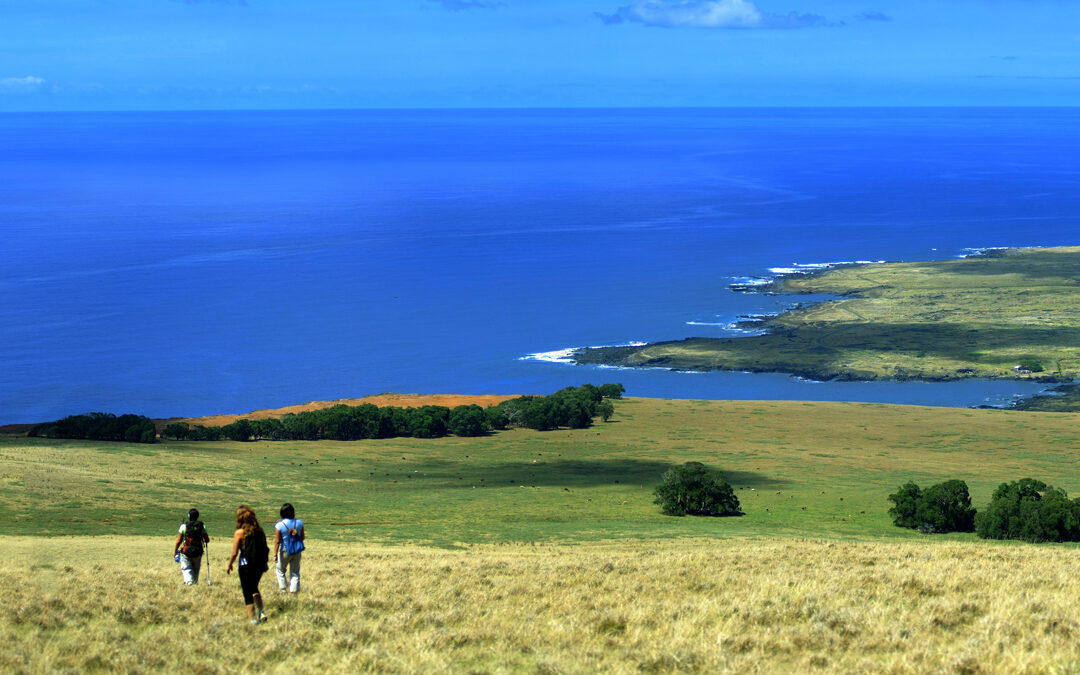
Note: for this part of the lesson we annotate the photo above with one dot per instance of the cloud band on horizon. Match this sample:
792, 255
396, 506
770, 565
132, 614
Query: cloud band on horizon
731, 14
21, 84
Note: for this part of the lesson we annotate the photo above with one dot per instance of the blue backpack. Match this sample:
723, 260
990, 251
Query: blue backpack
293, 545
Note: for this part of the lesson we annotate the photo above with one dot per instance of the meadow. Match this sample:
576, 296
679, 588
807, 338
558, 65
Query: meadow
533, 551
115, 604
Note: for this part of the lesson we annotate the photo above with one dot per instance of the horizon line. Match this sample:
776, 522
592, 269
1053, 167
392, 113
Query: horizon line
544, 107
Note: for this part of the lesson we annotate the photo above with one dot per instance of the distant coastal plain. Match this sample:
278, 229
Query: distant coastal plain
1012, 313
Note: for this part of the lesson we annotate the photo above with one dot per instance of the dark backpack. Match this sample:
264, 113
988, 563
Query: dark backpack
256, 552
194, 533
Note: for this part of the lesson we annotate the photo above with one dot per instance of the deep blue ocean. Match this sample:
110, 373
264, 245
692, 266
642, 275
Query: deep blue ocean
195, 263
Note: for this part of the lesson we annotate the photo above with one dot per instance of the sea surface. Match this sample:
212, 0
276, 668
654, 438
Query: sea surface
192, 263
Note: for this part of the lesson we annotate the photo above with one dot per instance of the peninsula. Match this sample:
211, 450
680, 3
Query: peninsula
1012, 313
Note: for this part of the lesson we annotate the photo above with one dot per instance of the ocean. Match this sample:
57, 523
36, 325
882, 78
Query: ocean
190, 263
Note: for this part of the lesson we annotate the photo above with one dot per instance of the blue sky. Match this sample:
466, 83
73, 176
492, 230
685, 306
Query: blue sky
228, 54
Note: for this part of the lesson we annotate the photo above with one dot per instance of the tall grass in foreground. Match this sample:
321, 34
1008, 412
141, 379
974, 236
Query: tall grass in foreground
84, 604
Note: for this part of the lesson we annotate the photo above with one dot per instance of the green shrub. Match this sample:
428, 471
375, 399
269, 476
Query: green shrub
468, 420
496, 417
202, 433
573, 407
905, 505
177, 430
240, 430
693, 489
945, 507
1030, 510
613, 390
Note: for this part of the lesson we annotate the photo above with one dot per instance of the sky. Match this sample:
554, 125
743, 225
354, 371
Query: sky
312, 54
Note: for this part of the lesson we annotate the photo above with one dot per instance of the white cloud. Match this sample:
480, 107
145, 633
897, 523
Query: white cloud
20, 84
693, 13
707, 14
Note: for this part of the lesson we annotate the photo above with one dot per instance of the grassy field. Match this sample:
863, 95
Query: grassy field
543, 552
108, 604
937, 320
799, 469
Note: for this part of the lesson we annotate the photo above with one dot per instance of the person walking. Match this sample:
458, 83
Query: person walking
189, 547
288, 546
249, 543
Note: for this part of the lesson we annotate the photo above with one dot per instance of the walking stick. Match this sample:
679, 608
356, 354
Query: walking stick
207, 556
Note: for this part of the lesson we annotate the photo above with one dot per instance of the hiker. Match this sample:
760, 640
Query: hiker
189, 547
288, 545
249, 542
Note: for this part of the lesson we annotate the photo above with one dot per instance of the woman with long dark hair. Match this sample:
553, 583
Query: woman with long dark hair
249, 542
288, 547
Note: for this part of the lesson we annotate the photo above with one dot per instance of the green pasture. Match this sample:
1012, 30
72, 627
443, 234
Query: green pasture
799, 469
938, 320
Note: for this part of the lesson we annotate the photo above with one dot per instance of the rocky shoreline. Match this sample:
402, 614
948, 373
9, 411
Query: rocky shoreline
937, 321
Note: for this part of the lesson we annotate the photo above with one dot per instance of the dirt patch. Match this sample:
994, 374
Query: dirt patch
381, 400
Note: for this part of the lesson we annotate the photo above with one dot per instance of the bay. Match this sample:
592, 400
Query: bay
190, 263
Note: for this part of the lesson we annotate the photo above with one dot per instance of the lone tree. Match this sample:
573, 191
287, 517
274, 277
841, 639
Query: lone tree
693, 489
945, 507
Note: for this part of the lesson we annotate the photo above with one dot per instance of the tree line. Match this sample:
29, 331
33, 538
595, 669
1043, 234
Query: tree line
99, 426
574, 407
1026, 509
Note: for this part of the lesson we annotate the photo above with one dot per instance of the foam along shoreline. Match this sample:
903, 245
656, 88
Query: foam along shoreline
807, 268
765, 284
741, 325
984, 251
567, 355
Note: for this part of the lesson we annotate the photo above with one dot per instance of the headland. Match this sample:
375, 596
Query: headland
1005, 313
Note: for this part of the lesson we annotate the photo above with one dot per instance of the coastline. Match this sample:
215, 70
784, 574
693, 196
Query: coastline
969, 317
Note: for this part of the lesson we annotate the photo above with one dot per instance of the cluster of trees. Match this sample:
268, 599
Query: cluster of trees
98, 426
1027, 509
350, 423
945, 507
181, 431
694, 489
574, 407
1030, 510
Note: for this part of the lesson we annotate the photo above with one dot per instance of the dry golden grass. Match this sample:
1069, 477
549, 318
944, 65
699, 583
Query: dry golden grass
381, 400
79, 604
